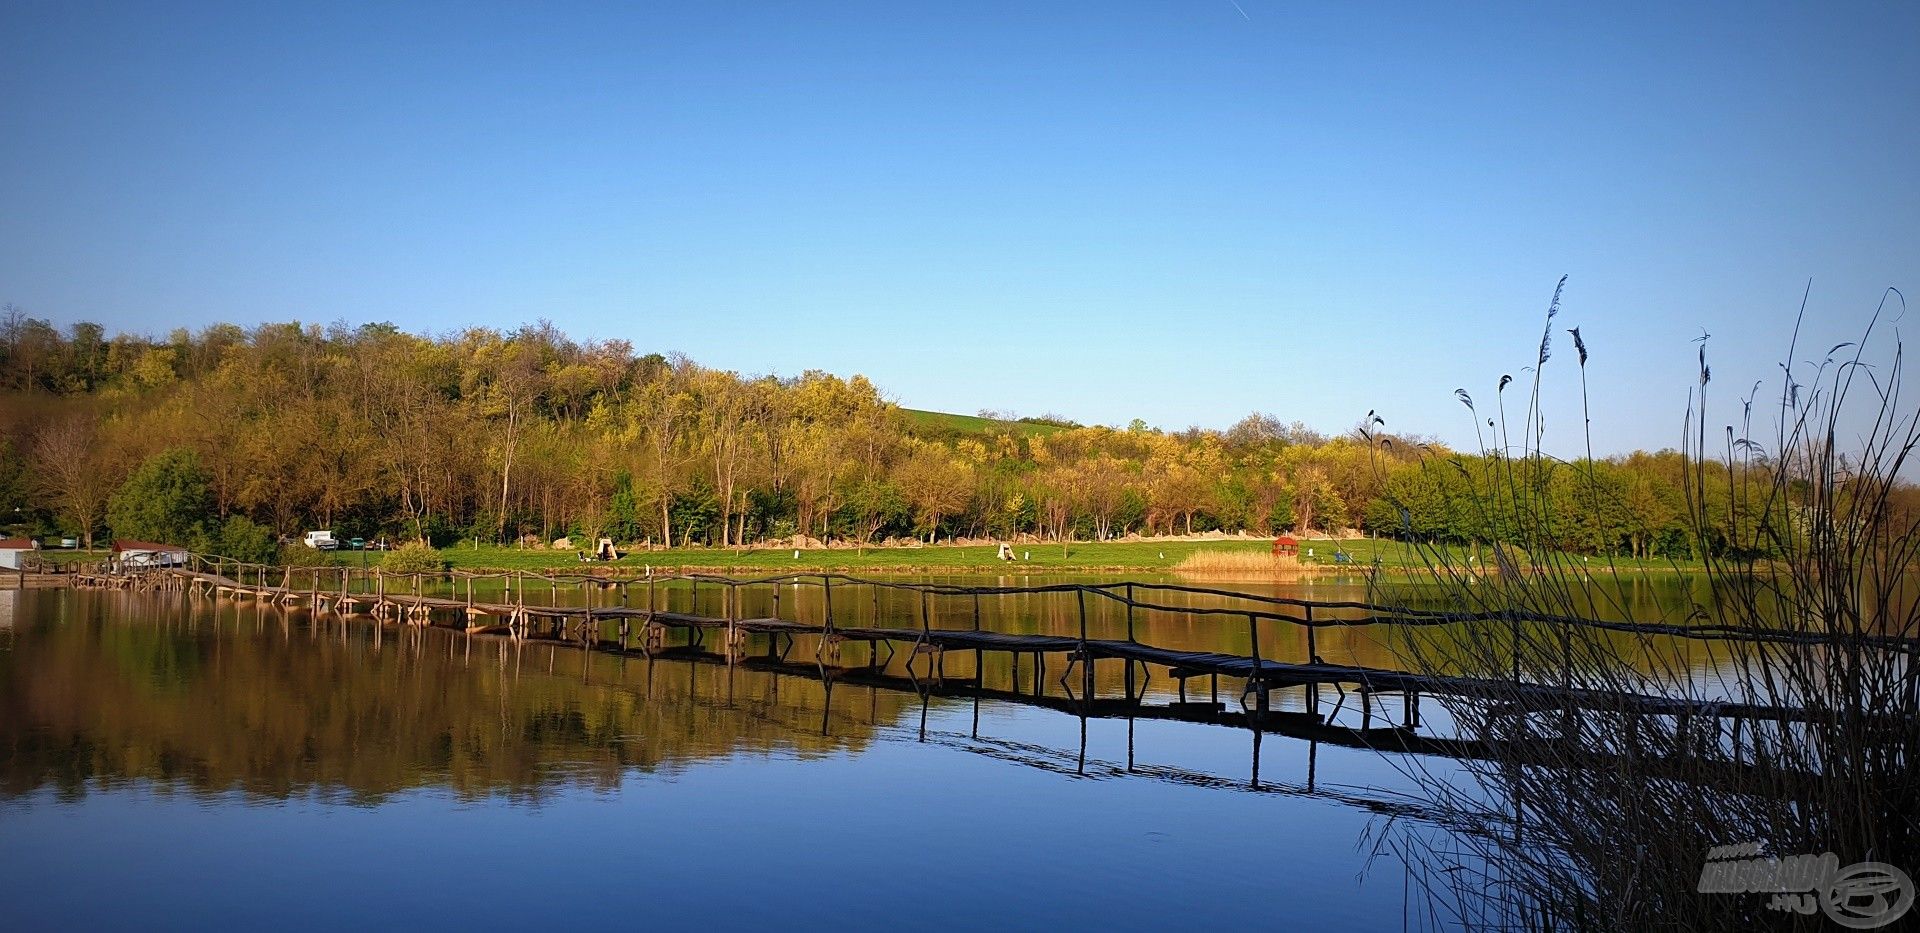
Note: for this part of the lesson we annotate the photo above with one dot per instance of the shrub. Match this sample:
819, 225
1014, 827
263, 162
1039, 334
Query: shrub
297, 554
414, 557
242, 539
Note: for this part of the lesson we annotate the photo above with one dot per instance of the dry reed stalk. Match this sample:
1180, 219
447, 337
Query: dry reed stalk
1605, 820
1240, 565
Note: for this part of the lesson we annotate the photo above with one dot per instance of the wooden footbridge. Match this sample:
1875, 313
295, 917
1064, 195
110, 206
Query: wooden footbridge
627, 614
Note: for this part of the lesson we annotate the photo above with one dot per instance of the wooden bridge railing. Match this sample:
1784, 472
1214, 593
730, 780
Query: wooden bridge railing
1253, 608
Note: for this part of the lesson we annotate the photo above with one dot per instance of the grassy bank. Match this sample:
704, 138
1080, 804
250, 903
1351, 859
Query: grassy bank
1087, 556
1083, 556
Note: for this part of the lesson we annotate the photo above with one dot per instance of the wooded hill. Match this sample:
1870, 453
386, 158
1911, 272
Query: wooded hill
230, 437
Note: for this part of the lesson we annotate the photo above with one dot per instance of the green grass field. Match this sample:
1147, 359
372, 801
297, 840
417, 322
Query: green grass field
1086, 556
1079, 557
945, 423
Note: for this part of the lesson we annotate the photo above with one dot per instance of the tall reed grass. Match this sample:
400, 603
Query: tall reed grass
1600, 817
1238, 565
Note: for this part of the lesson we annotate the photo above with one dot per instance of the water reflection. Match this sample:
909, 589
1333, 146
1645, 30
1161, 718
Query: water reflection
675, 776
100, 689
115, 686
256, 699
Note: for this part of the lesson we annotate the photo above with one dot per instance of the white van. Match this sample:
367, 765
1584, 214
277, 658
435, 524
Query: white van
322, 540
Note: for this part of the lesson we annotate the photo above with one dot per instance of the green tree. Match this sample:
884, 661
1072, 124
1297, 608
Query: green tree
874, 505
623, 510
168, 499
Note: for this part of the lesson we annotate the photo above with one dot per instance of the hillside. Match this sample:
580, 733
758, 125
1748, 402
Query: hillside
939, 423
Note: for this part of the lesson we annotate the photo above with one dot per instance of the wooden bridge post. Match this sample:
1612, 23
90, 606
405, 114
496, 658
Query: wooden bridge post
979, 664
1515, 618
1086, 654
1130, 617
1259, 682
519, 626
626, 624
1313, 657
926, 629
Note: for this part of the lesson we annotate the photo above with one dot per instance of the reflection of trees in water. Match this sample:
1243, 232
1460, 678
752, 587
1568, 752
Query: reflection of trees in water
245, 699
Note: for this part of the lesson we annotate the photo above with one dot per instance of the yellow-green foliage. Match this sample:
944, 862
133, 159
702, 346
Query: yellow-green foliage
503, 437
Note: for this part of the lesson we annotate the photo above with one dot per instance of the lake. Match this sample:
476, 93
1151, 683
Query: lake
168, 762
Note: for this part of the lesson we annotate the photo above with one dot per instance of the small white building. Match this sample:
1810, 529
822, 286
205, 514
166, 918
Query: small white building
148, 554
15, 551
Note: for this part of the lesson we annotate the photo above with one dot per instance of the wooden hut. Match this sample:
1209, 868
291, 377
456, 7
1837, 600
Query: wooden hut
15, 551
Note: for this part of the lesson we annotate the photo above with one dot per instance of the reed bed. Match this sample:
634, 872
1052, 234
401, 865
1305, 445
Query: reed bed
1239, 565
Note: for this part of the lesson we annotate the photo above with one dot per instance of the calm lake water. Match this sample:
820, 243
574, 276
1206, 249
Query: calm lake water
176, 763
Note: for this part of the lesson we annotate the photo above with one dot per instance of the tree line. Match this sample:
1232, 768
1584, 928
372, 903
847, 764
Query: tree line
233, 438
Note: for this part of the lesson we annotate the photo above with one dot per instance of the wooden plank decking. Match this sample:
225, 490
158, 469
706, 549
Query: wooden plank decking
1256, 675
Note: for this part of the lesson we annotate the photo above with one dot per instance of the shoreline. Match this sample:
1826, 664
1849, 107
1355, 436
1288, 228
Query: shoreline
1385, 557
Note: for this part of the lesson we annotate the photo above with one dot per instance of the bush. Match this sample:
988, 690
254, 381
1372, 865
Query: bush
414, 557
297, 554
241, 539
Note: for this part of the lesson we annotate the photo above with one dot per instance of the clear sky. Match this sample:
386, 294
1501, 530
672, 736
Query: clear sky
1179, 211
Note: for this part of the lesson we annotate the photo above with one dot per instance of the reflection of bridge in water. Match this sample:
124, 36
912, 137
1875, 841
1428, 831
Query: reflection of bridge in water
607, 620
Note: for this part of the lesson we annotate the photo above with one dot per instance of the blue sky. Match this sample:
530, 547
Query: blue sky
1179, 211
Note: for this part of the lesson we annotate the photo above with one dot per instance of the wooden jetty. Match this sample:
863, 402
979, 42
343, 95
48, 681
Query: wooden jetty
616, 624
